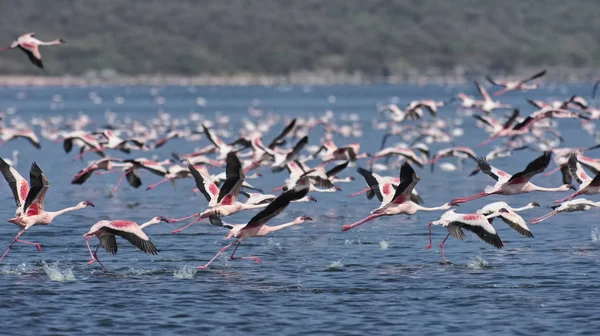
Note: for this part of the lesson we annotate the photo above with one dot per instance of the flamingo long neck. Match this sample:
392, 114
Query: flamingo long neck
538, 188
279, 227
57, 41
148, 223
528, 206
441, 207
55, 214
246, 206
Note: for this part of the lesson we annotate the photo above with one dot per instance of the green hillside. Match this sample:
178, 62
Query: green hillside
277, 37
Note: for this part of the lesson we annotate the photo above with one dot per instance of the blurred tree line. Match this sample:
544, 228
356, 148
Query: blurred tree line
282, 36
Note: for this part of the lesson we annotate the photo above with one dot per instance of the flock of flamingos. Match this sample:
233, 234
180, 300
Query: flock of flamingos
245, 156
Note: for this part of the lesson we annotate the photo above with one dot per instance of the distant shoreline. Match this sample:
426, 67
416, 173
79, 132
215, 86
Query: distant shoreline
566, 75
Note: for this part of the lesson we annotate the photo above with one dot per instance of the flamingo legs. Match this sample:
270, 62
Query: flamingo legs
544, 217
232, 257
114, 190
429, 246
442, 248
360, 222
187, 226
152, 186
94, 255
216, 255
15, 240
469, 198
575, 194
360, 192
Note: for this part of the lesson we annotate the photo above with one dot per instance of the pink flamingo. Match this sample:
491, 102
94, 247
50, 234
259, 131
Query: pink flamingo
107, 230
29, 45
256, 226
580, 204
516, 85
476, 223
399, 202
513, 184
32, 198
587, 185
380, 186
224, 201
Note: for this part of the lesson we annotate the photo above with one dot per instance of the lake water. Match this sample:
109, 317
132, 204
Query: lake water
376, 279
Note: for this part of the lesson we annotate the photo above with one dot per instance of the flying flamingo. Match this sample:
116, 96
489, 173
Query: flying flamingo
107, 230
476, 223
399, 202
488, 104
31, 199
8, 134
587, 185
516, 85
256, 226
579, 204
223, 201
29, 45
513, 184
378, 185
510, 216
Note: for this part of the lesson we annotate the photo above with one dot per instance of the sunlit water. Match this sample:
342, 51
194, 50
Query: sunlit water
314, 279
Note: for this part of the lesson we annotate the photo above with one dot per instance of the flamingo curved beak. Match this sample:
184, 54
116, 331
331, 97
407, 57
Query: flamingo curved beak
164, 219
307, 218
89, 203
312, 199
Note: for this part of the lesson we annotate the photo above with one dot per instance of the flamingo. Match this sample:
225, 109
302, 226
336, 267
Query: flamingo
30, 201
516, 85
107, 164
256, 226
510, 217
107, 230
29, 45
513, 184
224, 201
378, 185
399, 202
8, 134
476, 223
488, 104
587, 185
460, 152
579, 204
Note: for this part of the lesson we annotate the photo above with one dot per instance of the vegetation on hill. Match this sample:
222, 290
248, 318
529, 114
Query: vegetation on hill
282, 36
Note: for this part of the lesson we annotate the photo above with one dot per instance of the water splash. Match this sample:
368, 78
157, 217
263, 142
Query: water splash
384, 245
57, 274
185, 272
16, 270
595, 234
335, 266
478, 263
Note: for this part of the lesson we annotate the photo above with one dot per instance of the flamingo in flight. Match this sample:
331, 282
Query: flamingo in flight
379, 186
399, 202
30, 46
29, 200
587, 185
579, 204
477, 223
518, 85
256, 226
223, 201
513, 184
510, 216
107, 230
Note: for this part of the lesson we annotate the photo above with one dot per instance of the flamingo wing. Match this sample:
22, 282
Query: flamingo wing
212, 137
133, 178
576, 171
276, 207
277, 141
297, 148
479, 225
408, 181
34, 203
482, 91
234, 177
516, 222
34, 55
511, 119
537, 75
337, 169
16, 182
131, 232
534, 167
493, 172
206, 186
109, 243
